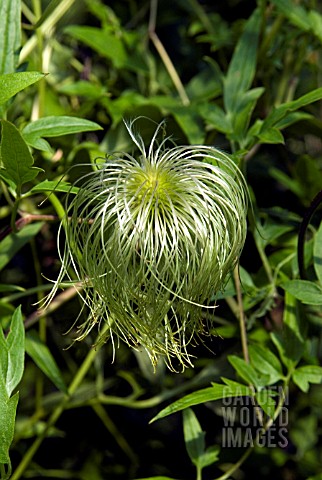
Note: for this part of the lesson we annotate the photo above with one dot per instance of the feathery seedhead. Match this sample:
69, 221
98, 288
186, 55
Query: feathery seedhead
152, 239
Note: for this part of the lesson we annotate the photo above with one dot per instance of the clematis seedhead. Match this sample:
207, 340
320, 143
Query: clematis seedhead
152, 238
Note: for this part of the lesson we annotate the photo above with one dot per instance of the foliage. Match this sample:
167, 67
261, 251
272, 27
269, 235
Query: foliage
243, 76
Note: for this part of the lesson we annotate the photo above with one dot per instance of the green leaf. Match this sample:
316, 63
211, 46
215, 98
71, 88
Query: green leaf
266, 362
55, 126
283, 110
42, 357
307, 292
303, 376
10, 34
210, 456
242, 67
300, 17
265, 400
290, 342
247, 372
111, 46
271, 135
83, 89
317, 254
12, 353
8, 407
295, 13
216, 392
194, 437
216, 117
12, 83
13, 242
53, 186
16, 157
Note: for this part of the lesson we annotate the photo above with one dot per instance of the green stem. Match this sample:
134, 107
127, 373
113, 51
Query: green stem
40, 47
77, 380
46, 26
241, 315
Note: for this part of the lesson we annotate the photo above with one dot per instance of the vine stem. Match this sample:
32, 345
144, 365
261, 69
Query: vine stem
77, 380
241, 315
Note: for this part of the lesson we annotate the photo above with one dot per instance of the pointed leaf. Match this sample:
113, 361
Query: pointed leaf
266, 362
210, 456
307, 374
55, 126
283, 110
53, 186
15, 156
242, 67
216, 392
307, 292
15, 352
41, 355
12, 83
8, 407
247, 372
194, 437
290, 342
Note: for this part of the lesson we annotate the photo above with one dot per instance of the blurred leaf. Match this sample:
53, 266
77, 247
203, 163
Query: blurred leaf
300, 17
15, 157
307, 292
13, 242
110, 45
12, 83
47, 12
10, 35
290, 342
216, 117
83, 89
191, 124
317, 254
216, 392
205, 85
42, 357
307, 374
12, 353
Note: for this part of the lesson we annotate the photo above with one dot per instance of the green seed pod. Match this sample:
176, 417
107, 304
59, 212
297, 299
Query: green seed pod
152, 240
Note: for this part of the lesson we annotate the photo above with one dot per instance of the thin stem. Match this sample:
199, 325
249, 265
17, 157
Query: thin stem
241, 315
77, 380
46, 26
41, 86
164, 55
